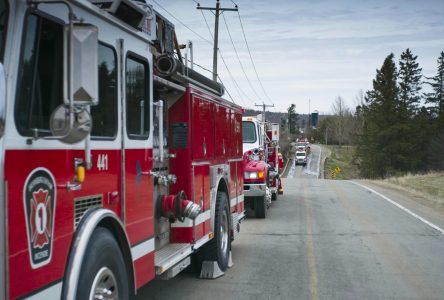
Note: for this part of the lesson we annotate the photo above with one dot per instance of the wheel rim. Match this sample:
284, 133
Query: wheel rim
104, 285
224, 233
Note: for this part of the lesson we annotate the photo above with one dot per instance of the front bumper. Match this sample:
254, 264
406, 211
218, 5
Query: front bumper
254, 190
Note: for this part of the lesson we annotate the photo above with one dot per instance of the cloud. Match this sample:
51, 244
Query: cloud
314, 49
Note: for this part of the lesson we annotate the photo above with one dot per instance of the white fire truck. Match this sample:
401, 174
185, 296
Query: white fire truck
117, 161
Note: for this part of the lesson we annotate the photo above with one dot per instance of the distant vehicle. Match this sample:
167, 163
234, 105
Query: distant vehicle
301, 158
300, 146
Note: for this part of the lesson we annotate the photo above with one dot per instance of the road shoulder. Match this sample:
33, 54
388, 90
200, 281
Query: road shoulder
413, 202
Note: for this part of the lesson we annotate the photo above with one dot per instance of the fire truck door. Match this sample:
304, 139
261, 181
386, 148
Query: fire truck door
138, 157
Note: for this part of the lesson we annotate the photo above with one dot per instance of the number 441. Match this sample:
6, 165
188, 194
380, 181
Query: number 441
102, 162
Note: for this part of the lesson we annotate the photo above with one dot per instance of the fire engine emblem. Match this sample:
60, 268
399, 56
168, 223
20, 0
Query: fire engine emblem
39, 197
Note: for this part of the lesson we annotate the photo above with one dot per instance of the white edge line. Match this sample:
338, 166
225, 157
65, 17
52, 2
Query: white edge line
142, 249
319, 161
285, 168
401, 207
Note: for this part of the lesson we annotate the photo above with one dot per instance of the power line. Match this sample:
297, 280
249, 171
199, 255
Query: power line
226, 67
217, 12
234, 81
183, 24
196, 64
204, 39
227, 90
251, 58
240, 62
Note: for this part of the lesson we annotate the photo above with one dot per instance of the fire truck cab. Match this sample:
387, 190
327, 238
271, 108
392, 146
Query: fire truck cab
256, 168
117, 161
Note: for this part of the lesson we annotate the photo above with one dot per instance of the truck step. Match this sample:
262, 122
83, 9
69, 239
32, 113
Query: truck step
170, 255
176, 269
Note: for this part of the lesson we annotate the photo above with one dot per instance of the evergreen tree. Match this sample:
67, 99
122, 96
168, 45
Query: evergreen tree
380, 147
292, 119
423, 135
409, 82
409, 101
436, 97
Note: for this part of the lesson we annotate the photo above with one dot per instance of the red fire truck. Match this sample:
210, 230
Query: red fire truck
117, 161
262, 165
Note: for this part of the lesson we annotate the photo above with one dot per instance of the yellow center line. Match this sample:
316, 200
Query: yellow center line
313, 276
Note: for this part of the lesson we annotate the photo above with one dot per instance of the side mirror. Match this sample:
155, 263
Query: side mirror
81, 70
70, 126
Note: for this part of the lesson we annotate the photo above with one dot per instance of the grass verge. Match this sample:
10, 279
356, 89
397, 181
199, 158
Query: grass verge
429, 186
339, 164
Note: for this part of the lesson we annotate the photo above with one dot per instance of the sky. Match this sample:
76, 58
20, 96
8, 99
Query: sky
310, 52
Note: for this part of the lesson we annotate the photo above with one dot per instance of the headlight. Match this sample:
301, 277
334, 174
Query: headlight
250, 175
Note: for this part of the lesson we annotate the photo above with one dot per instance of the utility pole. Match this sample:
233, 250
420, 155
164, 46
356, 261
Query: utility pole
263, 109
217, 12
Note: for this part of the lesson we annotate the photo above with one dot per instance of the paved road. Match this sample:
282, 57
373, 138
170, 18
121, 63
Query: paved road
312, 169
325, 239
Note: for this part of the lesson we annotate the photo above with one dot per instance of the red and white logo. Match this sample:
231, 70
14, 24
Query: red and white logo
40, 216
39, 199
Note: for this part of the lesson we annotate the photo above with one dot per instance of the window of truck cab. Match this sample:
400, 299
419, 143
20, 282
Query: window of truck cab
104, 115
40, 78
137, 97
248, 132
40, 84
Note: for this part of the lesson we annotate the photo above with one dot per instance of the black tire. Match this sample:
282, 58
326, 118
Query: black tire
103, 267
260, 207
274, 196
218, 249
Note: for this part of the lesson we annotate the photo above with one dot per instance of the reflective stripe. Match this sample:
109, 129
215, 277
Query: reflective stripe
142, 249
52, 292
233, 202
189, 223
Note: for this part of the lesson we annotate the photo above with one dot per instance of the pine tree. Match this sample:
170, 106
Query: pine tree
409, 82
423, 134
380, 147
408, 108
436, 97
292, 119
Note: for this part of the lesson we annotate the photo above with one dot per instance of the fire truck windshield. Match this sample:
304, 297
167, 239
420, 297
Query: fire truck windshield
248, 132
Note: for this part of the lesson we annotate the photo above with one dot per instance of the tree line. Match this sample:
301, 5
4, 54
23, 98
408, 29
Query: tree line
398, 126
